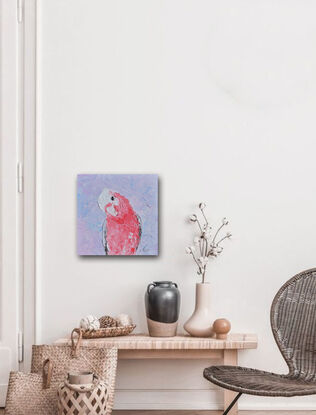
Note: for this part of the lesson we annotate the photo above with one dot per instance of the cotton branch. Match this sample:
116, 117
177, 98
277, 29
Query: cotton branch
203, 242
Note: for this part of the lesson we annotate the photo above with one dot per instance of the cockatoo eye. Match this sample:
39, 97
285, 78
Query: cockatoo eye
112, 197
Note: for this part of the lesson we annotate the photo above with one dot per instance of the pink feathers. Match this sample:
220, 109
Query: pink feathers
122, 227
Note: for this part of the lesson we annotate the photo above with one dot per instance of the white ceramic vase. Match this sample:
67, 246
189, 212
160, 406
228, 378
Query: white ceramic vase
200, 323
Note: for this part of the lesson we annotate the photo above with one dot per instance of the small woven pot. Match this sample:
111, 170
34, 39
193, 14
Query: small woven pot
82, 399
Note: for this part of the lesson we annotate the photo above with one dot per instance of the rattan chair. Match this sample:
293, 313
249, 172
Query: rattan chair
293, 322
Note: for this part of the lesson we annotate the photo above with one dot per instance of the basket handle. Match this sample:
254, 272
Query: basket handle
75, 346
47, 375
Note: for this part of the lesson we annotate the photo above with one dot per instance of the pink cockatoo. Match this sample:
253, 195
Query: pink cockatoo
121, 231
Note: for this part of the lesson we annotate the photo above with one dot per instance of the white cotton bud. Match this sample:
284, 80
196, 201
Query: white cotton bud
203, 261
193, 218
188, 250
224, 221
90, 323
202, 205
207, 233
192, 248
229, 235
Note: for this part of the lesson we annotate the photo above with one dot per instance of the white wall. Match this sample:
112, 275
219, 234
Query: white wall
218, 98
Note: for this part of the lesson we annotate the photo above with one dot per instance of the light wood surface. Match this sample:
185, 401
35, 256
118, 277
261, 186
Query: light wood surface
142, 346
145, 342
204, 412
171, 354
211, 412
230, 358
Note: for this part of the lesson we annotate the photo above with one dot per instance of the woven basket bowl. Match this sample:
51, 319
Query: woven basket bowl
108, 332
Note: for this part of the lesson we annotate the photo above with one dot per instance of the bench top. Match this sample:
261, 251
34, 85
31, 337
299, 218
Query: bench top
181, 342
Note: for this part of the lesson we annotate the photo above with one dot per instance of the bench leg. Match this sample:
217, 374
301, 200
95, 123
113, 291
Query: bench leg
230, 358
231, 405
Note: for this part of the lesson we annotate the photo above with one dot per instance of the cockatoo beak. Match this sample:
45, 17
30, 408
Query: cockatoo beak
111, 210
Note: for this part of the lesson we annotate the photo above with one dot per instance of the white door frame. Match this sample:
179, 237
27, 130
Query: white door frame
11, 250
18, 297
31, 298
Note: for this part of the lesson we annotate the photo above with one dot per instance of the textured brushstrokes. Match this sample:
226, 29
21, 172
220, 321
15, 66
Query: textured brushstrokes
124, 225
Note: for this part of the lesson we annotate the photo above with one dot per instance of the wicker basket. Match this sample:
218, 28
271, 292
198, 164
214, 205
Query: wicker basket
32, 393
101, 361
82, 399
108, 332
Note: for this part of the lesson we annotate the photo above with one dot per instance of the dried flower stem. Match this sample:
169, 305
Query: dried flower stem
198, 222
205, 245
206, 221
225, 237
200, 245
217, 232
192, 253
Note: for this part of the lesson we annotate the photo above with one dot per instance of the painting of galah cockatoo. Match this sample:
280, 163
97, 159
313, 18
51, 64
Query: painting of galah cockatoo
122, 229
117, 214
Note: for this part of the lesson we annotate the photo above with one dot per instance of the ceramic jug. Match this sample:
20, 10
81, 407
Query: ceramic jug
162, 302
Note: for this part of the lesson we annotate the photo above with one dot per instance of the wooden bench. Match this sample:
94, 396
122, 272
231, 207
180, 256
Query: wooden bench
140, 346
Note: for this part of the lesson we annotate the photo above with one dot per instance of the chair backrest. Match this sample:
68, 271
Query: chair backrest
293, 322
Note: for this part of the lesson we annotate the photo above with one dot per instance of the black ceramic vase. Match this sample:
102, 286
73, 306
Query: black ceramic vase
162, 301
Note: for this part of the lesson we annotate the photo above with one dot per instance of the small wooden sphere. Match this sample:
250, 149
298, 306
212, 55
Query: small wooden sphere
221, 327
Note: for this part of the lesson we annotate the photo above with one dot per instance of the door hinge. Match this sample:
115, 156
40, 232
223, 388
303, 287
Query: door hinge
20, 177
19, 11
20, 347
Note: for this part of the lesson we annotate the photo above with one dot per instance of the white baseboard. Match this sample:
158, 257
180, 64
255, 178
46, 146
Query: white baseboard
291, 406
164, 407
201, 399
174, 399
3, 393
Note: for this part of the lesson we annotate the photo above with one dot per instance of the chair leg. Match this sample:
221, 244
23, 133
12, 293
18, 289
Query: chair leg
232, 403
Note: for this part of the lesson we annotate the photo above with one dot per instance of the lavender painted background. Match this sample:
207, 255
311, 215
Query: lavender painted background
142, 192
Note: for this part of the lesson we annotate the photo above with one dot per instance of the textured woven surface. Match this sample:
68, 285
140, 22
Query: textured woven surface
107, 321
258, 382
234, 341
26, 395
101, 361
108, 332
78, 400
293, 322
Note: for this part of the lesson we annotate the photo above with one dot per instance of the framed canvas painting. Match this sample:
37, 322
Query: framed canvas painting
117, 214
